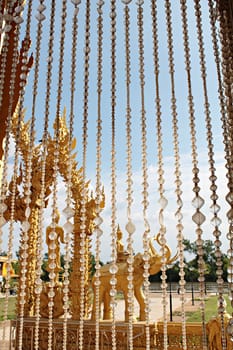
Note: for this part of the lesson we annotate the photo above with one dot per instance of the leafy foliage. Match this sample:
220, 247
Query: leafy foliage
191, 266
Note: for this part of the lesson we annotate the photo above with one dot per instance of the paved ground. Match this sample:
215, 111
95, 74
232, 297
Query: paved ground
156, 313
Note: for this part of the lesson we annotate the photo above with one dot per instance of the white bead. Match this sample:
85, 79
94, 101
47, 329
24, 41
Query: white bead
41, 8
76, 2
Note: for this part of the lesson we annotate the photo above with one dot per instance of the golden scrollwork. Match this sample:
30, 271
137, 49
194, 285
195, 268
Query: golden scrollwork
64, 158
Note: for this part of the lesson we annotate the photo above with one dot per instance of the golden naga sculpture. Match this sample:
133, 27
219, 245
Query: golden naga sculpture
155, 262
65, 158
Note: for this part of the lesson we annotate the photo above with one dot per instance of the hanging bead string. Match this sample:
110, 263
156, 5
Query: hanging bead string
38, 283
161, 180
8, 18
53, 235
61, 64
43, 170
130, 227
226, 41
1, 18
213, 187
4, 50
113, 268
198, 202
183, 8
27, 180
217, 233
84, 189
69, 211
145, 203
98, 219
178, 182
16, 14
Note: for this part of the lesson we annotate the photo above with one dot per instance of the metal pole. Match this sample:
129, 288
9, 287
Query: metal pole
170, 299
192, 293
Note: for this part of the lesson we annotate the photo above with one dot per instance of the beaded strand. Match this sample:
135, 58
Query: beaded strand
68, 211
161, 180
40, 17
178, 183
43, 175
84, 158
98, 220
27, 179
130, 227
17, 11
113, 268
145, 202
217, 233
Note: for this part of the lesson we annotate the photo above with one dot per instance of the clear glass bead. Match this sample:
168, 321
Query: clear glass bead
198, 202
27, 212
198, 218
214, 208
68, 212
98, 220
40, 17
112, 293
41, 8
130, 227
52, 275
113, 269
126, 2
98, 232
18, 19
76, 2
163, 202
68, 227
51, 294
3, 207
113, 281
216, 221
2, 221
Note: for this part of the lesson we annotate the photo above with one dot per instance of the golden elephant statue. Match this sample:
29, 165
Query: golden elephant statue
155, 263
214, 331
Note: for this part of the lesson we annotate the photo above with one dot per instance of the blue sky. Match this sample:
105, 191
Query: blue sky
182, 108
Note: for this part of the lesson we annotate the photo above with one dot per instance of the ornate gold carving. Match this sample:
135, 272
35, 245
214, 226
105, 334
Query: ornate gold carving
76, 187
7, 63
105, 339
58, 301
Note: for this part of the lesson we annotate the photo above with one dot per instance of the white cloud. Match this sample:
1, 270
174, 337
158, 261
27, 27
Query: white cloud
169, 213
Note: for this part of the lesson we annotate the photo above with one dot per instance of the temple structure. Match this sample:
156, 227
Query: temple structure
75, 307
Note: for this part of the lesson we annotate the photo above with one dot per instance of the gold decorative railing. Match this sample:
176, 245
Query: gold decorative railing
174, 335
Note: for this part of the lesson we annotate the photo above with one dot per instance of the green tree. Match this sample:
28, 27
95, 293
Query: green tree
93, 263
191, 266
191, 269
3, 253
